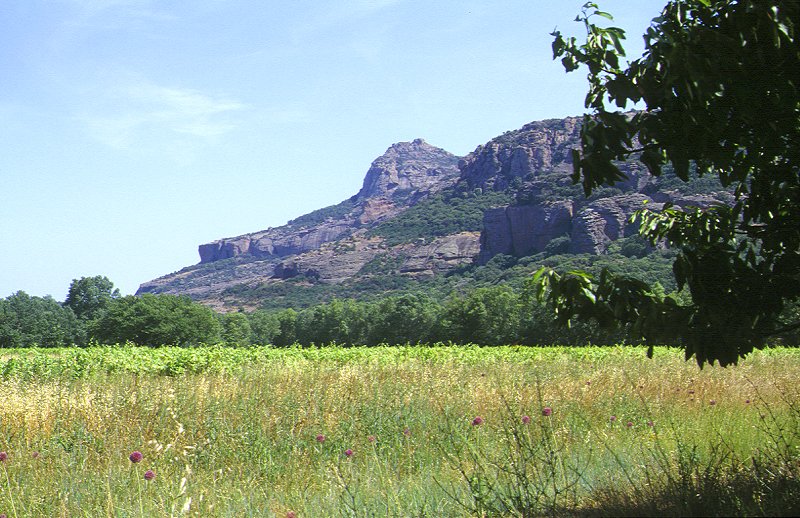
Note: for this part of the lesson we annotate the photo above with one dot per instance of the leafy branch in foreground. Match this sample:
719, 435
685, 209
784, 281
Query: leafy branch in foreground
718, 80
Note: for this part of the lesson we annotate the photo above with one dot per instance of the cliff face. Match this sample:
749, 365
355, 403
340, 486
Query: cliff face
337, 244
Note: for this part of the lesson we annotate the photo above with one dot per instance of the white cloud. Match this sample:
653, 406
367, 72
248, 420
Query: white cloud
128, 114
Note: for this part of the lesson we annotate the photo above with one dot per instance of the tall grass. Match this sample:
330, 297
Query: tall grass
263, 432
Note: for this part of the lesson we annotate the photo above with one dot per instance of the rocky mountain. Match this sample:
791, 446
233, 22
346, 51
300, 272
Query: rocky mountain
422, 212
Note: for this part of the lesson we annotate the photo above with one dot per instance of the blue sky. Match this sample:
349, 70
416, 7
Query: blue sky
131, 131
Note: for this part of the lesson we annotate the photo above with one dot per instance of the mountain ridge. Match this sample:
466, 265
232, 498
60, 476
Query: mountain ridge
422, 212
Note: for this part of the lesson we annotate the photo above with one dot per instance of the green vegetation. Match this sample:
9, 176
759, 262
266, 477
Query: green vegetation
718, 81
318, 216
394, 431
440, 215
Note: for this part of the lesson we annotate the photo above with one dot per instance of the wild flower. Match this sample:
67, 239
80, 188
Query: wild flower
613, 418
136, 457
3, 456
629, 424
320, 438
547, 411
526, 419
348, 452
650, 424
35, 455
477, 421
149, 474
407, 432
712, 402
291, 514
371, 438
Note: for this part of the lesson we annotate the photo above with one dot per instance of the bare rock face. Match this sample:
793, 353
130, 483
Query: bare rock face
605, 220
538, 146
409, 168
523, 230
442, 253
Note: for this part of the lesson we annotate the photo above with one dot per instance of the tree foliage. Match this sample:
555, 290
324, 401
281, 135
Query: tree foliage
88, 297
27, 321
156, 320
719, 84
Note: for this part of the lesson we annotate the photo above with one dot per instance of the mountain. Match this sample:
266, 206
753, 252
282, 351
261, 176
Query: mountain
423, 212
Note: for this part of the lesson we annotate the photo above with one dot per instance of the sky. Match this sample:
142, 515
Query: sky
132, 131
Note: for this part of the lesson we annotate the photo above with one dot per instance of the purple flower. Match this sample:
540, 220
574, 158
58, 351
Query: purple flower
477, 421
371, 438
348, 452
526, 419
547, 411
650, 424
747, 401
630, 424
320, 438
712, 402
290, 514
3, 456
136, 457
149, 474
35, 455
407, 432
613, 418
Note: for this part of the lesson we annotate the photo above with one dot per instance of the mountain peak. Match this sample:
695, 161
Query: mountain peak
408, 168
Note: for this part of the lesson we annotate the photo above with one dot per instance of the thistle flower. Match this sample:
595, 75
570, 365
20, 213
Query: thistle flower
526, 419
136, 457
320, 438
613, 418
547, 411
3, 456
348, 452
149, 474
477, 421
371, 438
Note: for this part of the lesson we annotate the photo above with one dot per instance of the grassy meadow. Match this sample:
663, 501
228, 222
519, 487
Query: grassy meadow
396, 431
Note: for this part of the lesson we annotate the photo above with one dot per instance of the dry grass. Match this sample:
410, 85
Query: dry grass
242, 441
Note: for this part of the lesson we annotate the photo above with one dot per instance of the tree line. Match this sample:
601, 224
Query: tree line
94, 312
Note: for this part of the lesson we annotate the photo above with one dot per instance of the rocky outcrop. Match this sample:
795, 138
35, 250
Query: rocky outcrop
409, 169
605, 220
543, 146
523, 230
441, 254
407, 172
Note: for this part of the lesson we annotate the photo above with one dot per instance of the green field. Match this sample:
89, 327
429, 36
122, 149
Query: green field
238, 432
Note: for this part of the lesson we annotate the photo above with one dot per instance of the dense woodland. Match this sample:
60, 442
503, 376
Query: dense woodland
498, 308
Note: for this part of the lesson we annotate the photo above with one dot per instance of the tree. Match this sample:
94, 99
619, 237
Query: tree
236, 329
156, 320
718, 82
27, 321
89, 296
